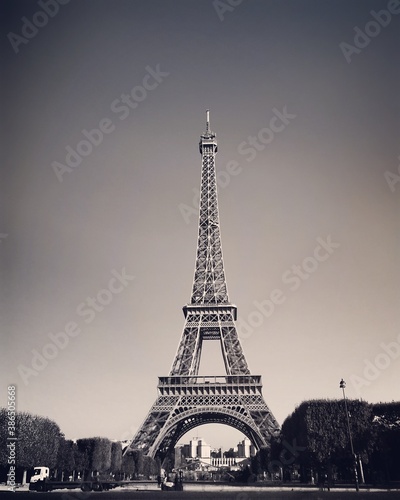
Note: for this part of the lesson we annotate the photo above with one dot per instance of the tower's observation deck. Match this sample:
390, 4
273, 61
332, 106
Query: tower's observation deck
214, 384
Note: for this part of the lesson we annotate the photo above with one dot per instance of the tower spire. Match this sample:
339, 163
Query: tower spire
207, 121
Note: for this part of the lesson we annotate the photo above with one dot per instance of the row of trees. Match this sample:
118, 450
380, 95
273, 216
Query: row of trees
40, 442
314, 443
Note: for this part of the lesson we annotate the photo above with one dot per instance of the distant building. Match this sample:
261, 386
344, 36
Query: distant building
193, 448
196, 449
198, 452
203, 450
244, 448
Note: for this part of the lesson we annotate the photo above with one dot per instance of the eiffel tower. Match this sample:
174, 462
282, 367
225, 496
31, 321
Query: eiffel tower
186, 400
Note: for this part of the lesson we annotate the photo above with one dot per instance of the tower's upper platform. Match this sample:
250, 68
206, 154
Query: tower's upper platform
208, 140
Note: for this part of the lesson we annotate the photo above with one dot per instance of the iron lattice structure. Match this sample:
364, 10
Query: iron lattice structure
185, 399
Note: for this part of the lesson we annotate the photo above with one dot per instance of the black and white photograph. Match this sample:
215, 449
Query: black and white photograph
200, 249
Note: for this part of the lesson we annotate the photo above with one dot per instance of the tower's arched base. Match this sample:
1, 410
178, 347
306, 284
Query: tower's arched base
187, 402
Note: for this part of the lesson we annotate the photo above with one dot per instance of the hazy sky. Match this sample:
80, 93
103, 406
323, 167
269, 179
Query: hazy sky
125, 207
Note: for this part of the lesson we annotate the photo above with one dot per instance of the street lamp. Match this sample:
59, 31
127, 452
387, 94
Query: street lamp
342, 386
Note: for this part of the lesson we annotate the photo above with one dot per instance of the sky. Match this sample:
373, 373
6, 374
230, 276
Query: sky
98, 247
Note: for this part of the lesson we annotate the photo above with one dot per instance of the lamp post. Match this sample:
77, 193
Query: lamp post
342, 386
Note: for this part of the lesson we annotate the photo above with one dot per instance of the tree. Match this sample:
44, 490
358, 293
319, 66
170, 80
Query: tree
139, 461
3, 437
316, 437
259, 463
66, 458
231, 453
101, 459
4, 466
150, 467
385, 461
128, 466
95, 455
38, 441
116, 458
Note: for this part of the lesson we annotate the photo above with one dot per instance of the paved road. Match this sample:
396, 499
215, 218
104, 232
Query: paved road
190, 493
